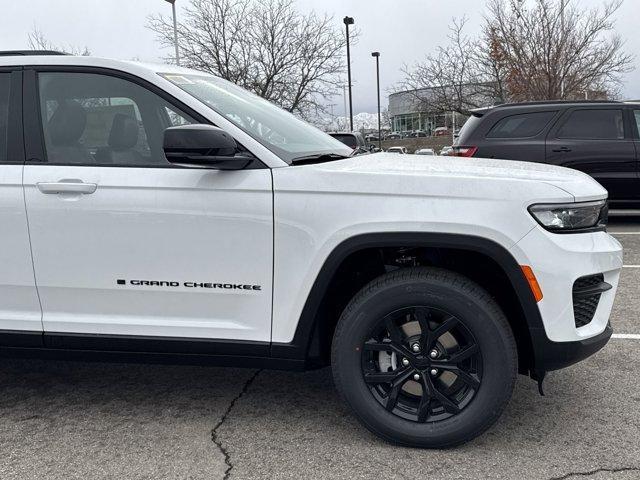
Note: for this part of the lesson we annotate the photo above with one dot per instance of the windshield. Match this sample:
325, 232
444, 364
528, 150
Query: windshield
278, 130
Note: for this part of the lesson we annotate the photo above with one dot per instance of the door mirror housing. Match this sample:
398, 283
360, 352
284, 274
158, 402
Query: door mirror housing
203, 146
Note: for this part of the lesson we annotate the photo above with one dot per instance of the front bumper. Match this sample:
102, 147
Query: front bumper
557, 261
556, 355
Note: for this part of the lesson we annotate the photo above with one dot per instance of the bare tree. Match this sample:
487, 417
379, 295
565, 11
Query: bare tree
266, 46
556, 49
459, 76
528, 50
38, 41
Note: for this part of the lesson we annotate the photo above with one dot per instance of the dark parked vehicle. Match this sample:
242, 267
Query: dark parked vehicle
353, 140
599, 138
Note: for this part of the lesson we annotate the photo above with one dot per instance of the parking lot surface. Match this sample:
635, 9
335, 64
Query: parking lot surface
92, 420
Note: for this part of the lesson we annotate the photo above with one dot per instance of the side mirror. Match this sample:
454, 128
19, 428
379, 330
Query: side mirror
203, 146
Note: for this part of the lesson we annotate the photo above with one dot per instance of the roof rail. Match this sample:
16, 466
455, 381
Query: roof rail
10, 53
555, 102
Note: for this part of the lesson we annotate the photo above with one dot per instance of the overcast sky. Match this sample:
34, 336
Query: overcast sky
402, 30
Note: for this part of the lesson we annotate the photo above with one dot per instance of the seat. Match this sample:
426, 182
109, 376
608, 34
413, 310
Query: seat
64, 130
123, 138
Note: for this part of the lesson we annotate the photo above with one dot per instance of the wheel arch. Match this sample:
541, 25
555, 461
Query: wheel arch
312, 328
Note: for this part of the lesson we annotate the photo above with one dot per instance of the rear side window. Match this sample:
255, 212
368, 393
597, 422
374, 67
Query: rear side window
636, 114
594, 124
522, 125
5, 79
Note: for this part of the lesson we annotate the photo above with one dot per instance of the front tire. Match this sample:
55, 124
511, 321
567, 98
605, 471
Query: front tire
425, 358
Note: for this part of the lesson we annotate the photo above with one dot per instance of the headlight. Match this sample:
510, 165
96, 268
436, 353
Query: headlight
568, 217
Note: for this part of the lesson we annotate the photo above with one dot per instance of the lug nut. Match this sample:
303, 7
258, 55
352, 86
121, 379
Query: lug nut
415, 347
434, 372
433, 353
405, 362
416, 376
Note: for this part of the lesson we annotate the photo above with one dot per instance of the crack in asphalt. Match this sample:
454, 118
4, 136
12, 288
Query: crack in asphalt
214, 432
595, 472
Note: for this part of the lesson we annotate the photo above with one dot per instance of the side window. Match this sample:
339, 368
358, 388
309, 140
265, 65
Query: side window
594, 124
521, 125
92, 119
5, 83
636, 114
175, 118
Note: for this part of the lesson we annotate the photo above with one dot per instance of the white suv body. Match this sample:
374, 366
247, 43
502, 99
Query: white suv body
133, 254
381, 193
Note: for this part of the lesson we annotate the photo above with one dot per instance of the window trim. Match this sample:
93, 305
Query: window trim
34, 142
542, 130
15, 137
565, 118
633, 121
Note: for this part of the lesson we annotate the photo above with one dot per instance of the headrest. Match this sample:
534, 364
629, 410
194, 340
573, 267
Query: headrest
67, 124
124, 132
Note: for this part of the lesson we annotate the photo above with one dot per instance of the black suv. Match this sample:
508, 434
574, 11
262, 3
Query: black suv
353, 140
598, 138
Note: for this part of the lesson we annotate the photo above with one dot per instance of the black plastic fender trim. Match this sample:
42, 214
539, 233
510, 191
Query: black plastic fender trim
299, 347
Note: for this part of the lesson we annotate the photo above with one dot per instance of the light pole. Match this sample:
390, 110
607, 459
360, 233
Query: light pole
349, 21
175, 30
377, 56
344, 98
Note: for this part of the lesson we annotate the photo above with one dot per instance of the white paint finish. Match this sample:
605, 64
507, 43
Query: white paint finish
631, 266
195, 225
319, 206
19, 306
557, 261
163, 224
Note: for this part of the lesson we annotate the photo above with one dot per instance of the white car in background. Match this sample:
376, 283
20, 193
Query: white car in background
446, 151
425, 151
401, 150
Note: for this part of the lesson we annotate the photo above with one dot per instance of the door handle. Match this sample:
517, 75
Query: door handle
67, 186
562, 150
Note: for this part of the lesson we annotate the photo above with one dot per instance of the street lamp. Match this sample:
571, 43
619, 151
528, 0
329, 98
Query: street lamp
349, 21
377, 56
175, 30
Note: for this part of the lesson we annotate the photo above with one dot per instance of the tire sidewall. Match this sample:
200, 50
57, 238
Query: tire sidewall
496, 344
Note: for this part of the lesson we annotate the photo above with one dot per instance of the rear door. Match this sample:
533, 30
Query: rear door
597, 141
19, 306
518, 135
634, 115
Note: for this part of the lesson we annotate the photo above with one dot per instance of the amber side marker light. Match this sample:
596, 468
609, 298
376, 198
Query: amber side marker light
533, 282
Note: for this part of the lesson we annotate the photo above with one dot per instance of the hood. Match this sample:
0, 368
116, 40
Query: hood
488, 171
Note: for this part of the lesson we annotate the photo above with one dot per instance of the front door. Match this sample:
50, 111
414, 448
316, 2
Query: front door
125, 243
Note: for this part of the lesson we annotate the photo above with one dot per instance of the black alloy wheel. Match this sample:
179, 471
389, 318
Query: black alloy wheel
424, 357
422, 364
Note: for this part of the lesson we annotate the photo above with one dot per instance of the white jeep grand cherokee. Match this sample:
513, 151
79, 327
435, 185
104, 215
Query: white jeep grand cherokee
151, 210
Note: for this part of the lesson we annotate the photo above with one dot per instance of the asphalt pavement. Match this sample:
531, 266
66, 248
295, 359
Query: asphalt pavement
74, 420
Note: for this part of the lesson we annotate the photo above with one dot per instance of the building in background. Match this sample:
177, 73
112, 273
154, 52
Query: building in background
422, 109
